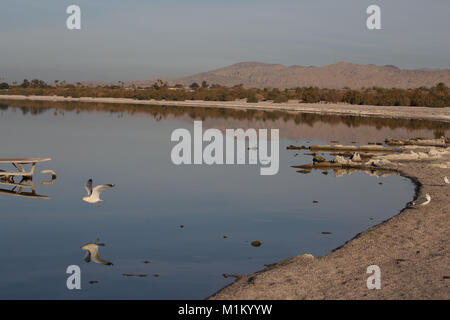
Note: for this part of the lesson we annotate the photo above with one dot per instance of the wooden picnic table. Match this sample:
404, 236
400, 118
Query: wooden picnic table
18, 164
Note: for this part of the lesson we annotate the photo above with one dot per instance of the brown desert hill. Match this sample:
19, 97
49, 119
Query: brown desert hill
333, 76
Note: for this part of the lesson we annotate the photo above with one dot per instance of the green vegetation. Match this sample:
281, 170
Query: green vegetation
4, 86
437, 96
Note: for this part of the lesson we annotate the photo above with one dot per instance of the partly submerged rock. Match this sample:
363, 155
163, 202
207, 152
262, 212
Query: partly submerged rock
256, 243
292, 147
319, 159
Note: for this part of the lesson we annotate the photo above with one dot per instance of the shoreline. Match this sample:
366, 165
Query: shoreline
419, 113
412, 249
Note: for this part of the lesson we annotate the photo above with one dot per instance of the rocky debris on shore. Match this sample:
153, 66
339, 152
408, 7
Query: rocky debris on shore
384, 159
442, 142
318, 158
340, 147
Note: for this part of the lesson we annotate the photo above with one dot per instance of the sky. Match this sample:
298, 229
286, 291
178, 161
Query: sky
134, 40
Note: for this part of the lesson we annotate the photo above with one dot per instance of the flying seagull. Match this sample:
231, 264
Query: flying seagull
422, 201
94, 193
92, 253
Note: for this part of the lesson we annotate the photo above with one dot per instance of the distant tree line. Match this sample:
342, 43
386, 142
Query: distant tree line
437, 96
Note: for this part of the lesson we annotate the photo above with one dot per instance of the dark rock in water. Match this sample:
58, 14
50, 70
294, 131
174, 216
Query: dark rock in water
147, 261
181, 227
315, 201
319, 159
292, 147
326, 232
93, 282
225, 275
156, 275
225, 236
325, 172
256, 243
380, 183
128, 274
304, 171
143, 275
370, 218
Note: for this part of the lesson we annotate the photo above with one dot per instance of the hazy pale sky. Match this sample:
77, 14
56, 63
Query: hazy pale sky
130, 40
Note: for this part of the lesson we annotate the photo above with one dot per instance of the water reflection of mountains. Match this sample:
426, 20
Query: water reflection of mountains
161, 112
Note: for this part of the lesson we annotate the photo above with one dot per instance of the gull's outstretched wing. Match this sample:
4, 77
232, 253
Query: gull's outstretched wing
93, 255
88, 187
101, 261
87, 257
98, 189
96, 257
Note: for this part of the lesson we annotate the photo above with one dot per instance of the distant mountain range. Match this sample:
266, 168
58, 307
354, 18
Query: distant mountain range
338, 75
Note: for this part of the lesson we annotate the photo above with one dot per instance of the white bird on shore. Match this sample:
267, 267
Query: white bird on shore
94, 193
422, 201
446, 180
92, 253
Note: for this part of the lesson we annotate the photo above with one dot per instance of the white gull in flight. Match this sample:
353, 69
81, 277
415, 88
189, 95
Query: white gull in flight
94, 193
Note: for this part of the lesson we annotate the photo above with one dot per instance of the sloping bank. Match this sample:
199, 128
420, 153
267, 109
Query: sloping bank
411, 249
438, 114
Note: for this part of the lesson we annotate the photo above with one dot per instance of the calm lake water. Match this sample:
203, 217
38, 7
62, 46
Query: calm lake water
140, 218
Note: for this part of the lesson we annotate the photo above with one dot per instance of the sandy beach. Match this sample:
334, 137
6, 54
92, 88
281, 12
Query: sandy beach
412, 250
438, 114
